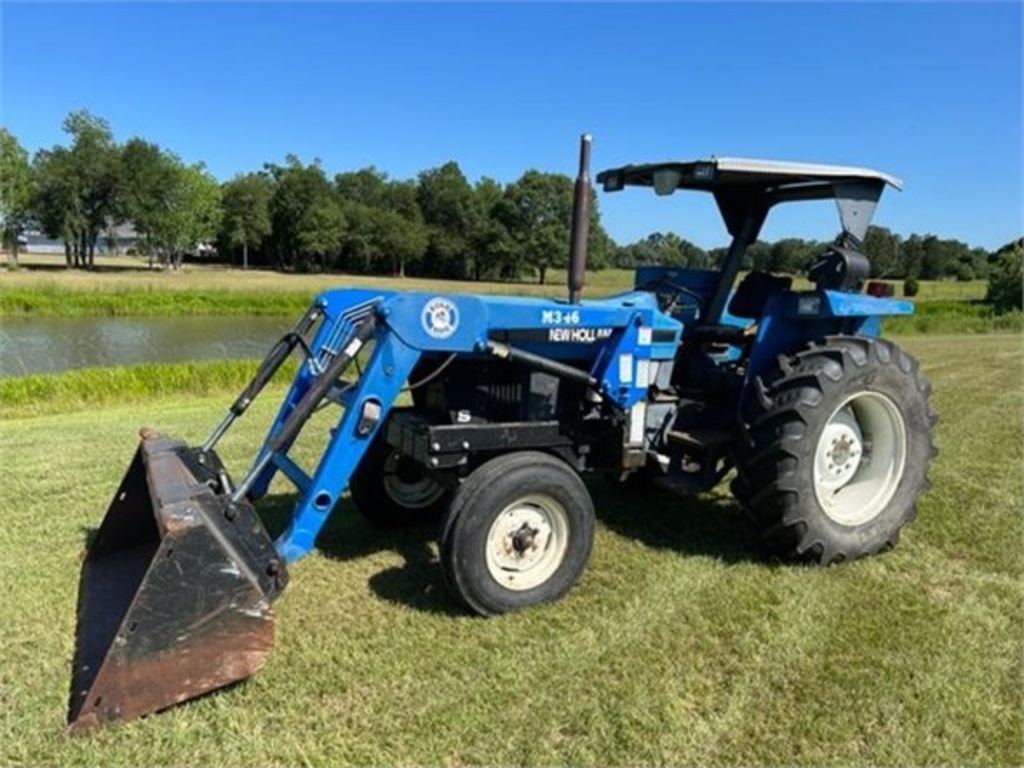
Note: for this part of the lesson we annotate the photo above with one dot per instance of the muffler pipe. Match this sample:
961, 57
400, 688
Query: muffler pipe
580, 224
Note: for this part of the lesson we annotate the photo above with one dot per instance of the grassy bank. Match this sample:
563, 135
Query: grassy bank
53, 300
681, 645
79, 389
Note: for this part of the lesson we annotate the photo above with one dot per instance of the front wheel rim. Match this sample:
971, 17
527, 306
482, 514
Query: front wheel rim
860, 458
527, 542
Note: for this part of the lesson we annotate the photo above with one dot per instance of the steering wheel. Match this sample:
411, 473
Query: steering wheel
668, 300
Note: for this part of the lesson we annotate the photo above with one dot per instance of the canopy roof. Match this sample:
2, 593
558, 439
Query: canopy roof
745, 189
718, 172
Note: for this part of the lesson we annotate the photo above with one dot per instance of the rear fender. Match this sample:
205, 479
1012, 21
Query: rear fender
793, 318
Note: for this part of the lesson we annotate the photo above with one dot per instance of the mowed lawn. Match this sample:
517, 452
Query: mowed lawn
681, 644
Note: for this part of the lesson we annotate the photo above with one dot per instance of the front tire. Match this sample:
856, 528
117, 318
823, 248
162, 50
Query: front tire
837, 451
518, 532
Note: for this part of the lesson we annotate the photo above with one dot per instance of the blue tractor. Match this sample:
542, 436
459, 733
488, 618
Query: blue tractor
483, 412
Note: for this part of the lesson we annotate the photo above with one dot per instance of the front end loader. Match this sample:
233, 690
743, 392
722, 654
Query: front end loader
485, 411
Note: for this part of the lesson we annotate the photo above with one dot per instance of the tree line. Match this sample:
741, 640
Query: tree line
294, 216
925, 257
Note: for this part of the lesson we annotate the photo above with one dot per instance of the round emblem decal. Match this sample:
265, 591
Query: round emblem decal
440, 318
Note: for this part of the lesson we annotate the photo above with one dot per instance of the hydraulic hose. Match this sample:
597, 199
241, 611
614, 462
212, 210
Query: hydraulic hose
320, 386
277, 355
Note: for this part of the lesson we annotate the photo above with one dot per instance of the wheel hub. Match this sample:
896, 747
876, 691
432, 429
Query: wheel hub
860, 458
527, 542
840, 450
521, 537
524, 538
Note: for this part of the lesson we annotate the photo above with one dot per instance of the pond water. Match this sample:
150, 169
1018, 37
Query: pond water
48, 345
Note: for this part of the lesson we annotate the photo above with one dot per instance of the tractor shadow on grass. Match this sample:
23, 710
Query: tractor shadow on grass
708, 526
704, 526
417, 583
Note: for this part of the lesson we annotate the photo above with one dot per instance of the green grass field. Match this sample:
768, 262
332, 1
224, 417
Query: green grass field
681, 645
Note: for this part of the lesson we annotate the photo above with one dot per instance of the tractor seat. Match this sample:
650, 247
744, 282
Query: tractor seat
753, 293
748, 301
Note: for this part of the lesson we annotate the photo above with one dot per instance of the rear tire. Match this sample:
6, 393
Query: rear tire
518, 532
391, 490
837, 451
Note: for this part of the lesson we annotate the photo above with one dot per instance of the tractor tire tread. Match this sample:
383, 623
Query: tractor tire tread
779, 412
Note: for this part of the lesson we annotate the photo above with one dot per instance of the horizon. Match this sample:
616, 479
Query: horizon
501, 103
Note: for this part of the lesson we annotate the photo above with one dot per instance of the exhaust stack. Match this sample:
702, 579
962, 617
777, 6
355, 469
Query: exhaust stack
580, 224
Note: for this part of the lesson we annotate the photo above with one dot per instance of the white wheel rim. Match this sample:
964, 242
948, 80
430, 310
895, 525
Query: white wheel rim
410, 494
527, 542
860, 458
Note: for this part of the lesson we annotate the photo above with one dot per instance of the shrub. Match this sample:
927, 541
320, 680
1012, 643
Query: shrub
911, 286
1006, 278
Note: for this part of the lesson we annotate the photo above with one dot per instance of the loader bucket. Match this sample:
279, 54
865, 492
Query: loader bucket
175, 591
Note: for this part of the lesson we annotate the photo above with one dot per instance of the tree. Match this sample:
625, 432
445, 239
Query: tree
367, 186
306, 216
195, 213
408, 236
600, 246
16, 190
667, 249
148, 190
979, 259
320, 231
935, 260
385, 232
883, 250
78, 187
539, 206
246, 204
492, 252
447, 202
758, 255
57, 203
384, 241
912, 255
792, 255
95, 163
1006, 277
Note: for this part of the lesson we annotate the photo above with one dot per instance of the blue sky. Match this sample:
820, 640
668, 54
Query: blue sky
931, 93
